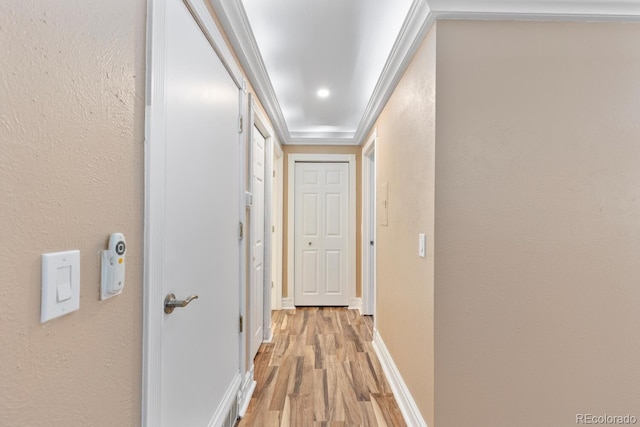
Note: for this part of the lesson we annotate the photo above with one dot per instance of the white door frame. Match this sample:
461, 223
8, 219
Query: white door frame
155, 143
259, 121
277, 198
369, 173
321, 158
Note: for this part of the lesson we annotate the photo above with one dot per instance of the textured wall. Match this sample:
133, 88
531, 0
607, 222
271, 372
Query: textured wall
71, 172
537, 222
405, 162
314, 149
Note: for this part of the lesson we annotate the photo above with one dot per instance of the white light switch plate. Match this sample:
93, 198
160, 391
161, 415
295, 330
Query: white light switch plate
60, 284
422, 245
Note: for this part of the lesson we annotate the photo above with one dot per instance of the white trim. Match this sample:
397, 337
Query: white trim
242, 207
325, 158
553, 9
368, 222
278, 197
213, 34
421, 17
356, 304
308, 138
406, 403
155, 115
418, 22
246, 391
287, 304
259, 121
234, 20
222, 412
155, 145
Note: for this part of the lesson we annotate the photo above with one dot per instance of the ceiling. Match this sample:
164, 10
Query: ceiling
357, 50
337, 45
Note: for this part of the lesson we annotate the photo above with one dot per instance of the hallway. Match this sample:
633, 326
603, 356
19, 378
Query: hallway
320, 370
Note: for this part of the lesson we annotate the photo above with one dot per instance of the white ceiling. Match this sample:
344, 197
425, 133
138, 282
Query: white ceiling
339, 45
357, 49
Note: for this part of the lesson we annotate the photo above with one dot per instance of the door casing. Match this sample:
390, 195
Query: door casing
354, 302
277, 206
259, 120
369, 225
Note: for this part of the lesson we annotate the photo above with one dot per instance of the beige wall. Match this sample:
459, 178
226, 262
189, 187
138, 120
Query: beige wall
405, 163
71, 172
537, 222
314, 149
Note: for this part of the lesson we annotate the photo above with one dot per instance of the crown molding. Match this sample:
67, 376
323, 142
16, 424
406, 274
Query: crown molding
418, 22
236, 25
309, 139
561, 10
421, 17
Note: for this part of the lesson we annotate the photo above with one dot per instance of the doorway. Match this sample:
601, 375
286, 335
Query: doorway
276, 226
262, 141
369, 226
321, 229
321, 234
257, 280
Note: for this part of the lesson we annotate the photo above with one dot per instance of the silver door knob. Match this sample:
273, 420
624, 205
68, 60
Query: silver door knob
170, 302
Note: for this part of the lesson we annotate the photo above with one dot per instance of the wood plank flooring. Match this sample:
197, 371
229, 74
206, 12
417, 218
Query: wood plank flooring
320, 370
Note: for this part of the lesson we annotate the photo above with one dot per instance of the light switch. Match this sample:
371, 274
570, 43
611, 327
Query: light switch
422, 245
60, 284
63, 284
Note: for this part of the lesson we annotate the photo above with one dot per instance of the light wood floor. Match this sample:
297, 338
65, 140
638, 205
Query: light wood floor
320, 370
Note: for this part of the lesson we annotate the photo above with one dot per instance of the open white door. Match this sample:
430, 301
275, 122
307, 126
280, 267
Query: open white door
321, 234
191, 363
258, 145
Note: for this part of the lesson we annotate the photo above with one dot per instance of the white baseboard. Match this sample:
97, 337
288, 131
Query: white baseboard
401, 392
268, 335
245, 392
222, 413
356, 304
288, 304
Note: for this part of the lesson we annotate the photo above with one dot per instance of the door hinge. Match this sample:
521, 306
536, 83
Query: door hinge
240, 124
241, 324
274, 174
241, 231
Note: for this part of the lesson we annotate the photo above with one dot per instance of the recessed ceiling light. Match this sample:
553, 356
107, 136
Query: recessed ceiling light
323, 93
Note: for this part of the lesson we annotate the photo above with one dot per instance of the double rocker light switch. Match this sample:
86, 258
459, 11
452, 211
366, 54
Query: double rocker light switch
60, 284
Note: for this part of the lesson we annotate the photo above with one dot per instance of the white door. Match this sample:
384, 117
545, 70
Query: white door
200, 342
257, 242
321, 234
276, 230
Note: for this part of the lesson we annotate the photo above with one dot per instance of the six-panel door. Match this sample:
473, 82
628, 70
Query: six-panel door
321, 234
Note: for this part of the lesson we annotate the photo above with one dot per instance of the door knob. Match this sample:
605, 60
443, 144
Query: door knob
309, 243
170, 302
